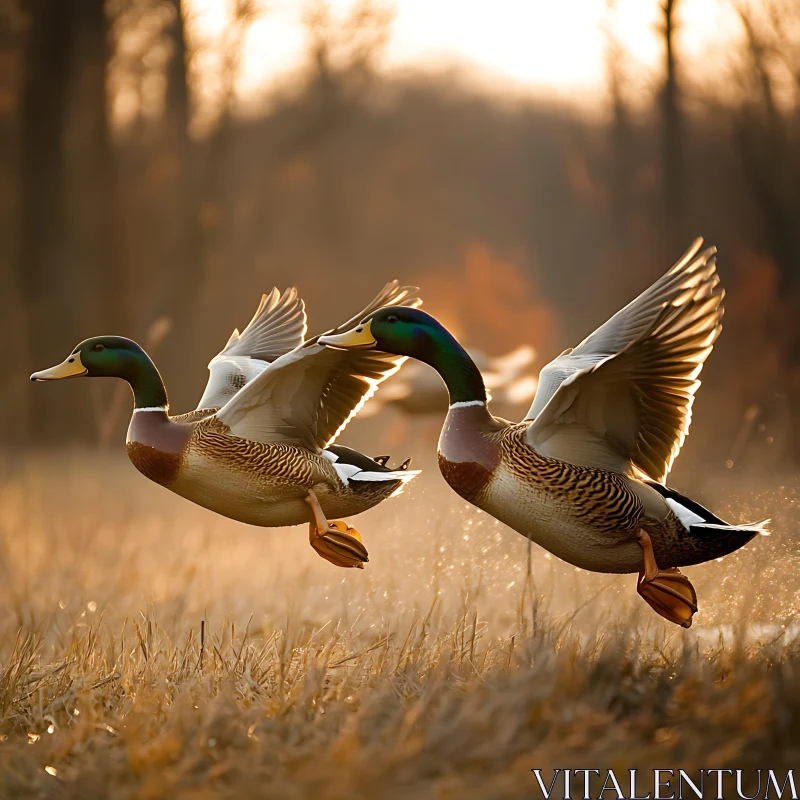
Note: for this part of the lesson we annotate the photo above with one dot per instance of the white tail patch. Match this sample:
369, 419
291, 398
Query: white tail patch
404, 475
687, 517
345, 471
760, 527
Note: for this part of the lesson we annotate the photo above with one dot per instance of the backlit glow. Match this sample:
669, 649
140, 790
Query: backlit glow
512, 45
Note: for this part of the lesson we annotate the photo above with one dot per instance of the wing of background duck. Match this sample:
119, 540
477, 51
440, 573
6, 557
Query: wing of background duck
309, 395
396, 390
630, 323
277, 327
507, 377
631, 411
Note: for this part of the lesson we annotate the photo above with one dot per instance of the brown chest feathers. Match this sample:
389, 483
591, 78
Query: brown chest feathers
468, 478
155, 464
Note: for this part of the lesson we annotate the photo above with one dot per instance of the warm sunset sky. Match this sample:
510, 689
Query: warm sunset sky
556, 46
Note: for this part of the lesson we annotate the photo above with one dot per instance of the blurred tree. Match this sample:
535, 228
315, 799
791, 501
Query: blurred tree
343, 56
672, 145
768, 136
69, 270
622, 156
217, 202
44, 237
181, 240
13, 391
208, 206
96, 255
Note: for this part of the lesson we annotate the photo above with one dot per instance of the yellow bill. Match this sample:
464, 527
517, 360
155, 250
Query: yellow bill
72, 367
359, 338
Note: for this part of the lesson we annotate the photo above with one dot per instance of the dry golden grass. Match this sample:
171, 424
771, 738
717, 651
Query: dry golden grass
150, 649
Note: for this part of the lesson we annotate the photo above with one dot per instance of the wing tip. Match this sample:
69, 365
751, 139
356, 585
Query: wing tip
396, 294
695, 258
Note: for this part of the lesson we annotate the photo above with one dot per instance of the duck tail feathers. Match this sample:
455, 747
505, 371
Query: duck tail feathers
747, 527
697, 519
351, 465
404, 475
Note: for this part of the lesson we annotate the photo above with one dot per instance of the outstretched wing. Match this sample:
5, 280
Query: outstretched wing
622, 399
277, 327
309, 395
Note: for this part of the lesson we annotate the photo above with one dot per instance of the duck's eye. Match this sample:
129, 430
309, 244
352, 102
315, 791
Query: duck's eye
391, 318
99, 347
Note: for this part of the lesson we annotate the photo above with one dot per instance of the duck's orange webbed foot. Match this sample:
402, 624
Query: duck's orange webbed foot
667, 591
340, 544
335, 541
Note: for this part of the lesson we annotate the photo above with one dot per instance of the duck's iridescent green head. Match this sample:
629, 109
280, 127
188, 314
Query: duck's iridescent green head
100, 356
410, 332
398, 330
112, 357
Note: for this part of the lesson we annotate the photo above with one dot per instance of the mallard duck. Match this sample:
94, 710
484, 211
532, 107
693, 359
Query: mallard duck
418, 390
260, 448
584, 473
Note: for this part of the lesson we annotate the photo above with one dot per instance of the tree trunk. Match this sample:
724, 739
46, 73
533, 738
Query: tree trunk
182, 244
14, 389
672, 177
770, 170
91, 179
44, 275
622, 155
68, 268
179, 238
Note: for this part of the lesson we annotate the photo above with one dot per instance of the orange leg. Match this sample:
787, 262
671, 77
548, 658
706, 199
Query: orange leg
666, 591
335, 541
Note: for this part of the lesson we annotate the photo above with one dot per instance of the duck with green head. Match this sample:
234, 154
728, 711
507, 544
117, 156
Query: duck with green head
583, 474
259, 448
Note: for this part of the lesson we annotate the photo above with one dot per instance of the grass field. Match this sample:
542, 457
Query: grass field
149, 649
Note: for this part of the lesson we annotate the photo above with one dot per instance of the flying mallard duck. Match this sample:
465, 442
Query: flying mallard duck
583, 474
259, 447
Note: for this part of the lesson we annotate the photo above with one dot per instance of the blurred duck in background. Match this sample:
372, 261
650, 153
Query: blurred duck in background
584, 473
259, 448
418, 390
